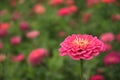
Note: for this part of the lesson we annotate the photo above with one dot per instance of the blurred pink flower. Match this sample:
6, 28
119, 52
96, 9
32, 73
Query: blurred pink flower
108, 1
55, 2
18, 58
1, 45
39, 9
112, 58
69, 2
86, 17
3, 33
4, 26
107, 37
118, 37
96, 77
115, 17
16, 16
15, 40
24, 26
2, 57
108, 47
73, 8
32, 34
36, 56
64, 11
79, 46
90, 3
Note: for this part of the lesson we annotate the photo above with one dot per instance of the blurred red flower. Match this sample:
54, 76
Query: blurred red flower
112, 58
115, 17
90, 3
79, 46
36, 56
108, 1
24, 26
55, 2
18, 58
3, 33
86, 17
32, 34
97, 77
73, 8
39, 9
13, 3
107, 37
4, 26
4, 29
108, 47
15, 40
69, 2
64, 11
2, 57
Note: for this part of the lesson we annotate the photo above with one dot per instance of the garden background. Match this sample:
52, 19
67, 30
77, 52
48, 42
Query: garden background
27, 25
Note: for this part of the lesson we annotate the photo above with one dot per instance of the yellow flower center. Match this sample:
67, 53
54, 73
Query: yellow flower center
80, 42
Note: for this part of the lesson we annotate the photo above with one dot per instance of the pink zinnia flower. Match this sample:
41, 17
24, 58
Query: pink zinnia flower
32, 34
112, 58
107, 37
69, 2
39, 9
3, 33
18, 58
108, 1
24, 26
96, 77
36, 56
4, 26
15, 40
118, 37
73, 8
90, 3
108, 47
55, 2
64, 12
79, 46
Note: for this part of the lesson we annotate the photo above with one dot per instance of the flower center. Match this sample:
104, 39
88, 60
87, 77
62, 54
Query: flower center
80, 42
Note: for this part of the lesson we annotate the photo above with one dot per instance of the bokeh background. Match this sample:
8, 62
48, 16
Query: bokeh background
31, 32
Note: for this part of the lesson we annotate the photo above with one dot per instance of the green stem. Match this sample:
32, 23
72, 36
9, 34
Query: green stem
81, 69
